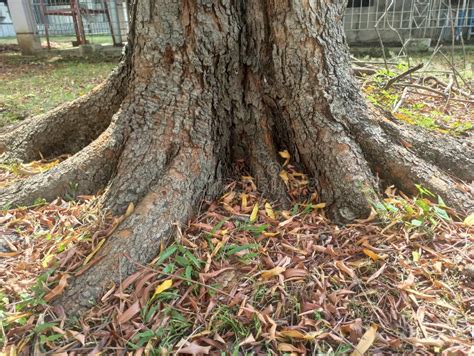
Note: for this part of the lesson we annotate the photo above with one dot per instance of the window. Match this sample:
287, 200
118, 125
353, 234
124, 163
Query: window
359, 3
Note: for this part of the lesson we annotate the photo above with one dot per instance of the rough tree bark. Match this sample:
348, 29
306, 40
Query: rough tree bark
204, 83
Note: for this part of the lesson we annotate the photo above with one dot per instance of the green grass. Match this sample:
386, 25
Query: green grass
8, 40
31, 86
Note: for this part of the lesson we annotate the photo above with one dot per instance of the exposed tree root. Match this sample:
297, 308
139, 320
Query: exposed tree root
342, 173
453, 155
170, 201
68, 128
396, 163
404, 169
84, 173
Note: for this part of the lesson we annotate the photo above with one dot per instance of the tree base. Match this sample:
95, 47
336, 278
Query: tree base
186, 115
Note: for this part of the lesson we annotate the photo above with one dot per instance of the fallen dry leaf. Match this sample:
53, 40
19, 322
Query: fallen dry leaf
129, 313
253, 216
341, 266
194, 349
371, 254
269, 211
272, 272
366, 341
283, 347
58, 290
410, 281
295, 334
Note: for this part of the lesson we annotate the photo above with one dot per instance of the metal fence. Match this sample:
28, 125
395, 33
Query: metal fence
81, 21
408, 19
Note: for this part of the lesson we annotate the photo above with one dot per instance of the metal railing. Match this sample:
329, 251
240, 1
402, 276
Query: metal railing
435, 19
81, 21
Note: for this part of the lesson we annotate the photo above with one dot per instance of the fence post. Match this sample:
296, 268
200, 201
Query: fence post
25, 26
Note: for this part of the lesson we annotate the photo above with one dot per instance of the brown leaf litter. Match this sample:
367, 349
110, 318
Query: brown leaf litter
288, 282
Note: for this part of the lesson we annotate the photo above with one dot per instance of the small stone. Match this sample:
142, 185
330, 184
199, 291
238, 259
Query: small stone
468, 270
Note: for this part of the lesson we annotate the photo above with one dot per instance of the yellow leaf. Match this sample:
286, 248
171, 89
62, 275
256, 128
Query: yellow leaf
269, 211
253, 216
46, 260
219, 245
286, 155
130, 210
14, 317
272, 272
371, 254
319, 206
365, 341
415, 255
163, 286
469, 220
270, 234
97, 248
295, 334
244, 200
284, 176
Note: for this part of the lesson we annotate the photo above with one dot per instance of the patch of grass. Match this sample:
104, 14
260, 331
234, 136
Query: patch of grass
227, 321
419, 212
418, 107
31, 86
416, 113
8, 40
177, 327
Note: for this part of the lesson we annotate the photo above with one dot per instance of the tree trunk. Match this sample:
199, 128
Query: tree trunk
206, 83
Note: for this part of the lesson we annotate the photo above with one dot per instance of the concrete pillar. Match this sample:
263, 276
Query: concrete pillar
25, 26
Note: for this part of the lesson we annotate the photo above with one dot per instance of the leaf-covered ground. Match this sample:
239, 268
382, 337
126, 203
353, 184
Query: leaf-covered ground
246, 277
435, 96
